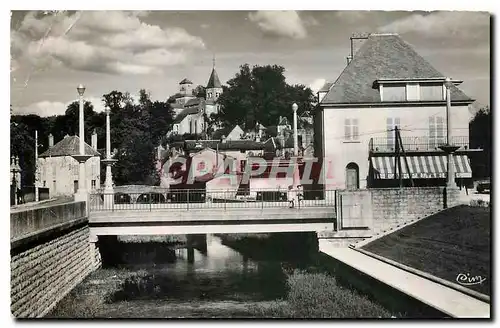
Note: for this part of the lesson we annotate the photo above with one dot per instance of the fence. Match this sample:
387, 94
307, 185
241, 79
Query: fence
416, 143
201, 199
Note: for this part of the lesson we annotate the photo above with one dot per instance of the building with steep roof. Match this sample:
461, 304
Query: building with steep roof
387, 84
190, 111
59, 170
213, 91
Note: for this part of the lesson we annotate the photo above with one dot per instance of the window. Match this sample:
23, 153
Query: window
431, 91
209, 95
93, 184
436, 131
44, 183
391, 134
217, 94
54, 186
351, 129
394, 92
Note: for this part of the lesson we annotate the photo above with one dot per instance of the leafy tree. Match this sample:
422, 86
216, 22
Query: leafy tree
480, 129
199, 92
261, 94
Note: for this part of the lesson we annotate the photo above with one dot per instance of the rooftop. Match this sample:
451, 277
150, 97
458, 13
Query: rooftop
185, 81
382, 56
213, 81
68, 146
186, 112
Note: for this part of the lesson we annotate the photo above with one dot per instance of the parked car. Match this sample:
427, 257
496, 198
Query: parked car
483, 186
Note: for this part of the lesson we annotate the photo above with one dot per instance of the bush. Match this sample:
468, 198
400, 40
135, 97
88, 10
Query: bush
318, 295
479, 203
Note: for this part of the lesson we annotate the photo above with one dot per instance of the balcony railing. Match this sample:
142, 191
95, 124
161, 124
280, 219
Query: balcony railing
416, 143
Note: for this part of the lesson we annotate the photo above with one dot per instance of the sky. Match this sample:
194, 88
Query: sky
53, 52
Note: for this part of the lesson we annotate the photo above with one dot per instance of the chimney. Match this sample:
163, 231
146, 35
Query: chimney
51, 140
94, 140
357, 40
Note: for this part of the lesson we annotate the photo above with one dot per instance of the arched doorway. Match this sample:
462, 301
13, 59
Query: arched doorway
352, 176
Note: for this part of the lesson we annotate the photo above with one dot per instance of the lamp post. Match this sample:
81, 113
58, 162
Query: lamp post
108, 183
81, 194
449, 148
36, 167
295, 133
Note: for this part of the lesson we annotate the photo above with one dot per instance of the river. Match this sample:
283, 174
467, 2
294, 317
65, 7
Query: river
220, 282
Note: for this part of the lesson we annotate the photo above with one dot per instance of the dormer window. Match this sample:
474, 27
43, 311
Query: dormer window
394, 92
432, 91
421, 90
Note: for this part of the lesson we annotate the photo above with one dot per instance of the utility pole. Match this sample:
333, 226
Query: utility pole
36, 167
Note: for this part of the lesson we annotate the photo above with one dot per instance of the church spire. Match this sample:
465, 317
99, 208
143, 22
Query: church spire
213, 81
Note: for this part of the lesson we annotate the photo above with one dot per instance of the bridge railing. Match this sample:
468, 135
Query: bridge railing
196, 199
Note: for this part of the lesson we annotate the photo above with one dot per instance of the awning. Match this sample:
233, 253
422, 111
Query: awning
421, 167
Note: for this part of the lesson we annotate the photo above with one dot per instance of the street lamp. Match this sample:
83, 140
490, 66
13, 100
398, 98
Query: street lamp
81, 194
108, 183
449, 148
295, 133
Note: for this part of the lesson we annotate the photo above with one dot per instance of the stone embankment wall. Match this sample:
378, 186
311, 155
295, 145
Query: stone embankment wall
396, 206
50, 255
379, 210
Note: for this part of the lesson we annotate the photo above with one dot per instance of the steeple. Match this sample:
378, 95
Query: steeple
213, 81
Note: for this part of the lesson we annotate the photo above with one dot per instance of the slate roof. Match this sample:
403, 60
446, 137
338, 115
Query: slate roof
213, 81
68, 146
381, 56
185, 81
182, 115
193, 102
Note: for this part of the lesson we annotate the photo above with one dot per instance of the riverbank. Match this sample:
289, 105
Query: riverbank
276, 276
111, 293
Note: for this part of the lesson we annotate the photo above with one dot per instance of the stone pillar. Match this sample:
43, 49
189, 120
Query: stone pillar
81, 195
108, 183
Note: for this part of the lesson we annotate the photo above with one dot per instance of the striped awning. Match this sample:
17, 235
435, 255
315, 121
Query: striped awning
421, 167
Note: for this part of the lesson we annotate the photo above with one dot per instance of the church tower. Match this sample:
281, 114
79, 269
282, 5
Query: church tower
213, 91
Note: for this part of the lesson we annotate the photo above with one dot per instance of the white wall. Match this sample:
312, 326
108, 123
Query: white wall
64, 170
372, 122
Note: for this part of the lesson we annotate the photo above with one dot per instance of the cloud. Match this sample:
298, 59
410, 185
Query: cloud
48, 108
115, 42
442, 24
280, 23
205, 26
317, 84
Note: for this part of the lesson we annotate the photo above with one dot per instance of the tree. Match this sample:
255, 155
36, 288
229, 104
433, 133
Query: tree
199, 92
136, 131
262, 95
480, 129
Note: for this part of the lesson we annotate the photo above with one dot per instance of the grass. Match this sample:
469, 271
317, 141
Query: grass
446, 244
318, 295
90, 297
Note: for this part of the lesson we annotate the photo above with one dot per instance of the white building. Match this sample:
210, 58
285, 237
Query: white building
388, 84
59, 171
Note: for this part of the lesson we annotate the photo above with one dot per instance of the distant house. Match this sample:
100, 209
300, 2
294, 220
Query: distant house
229, 133
387, 84
60, 172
